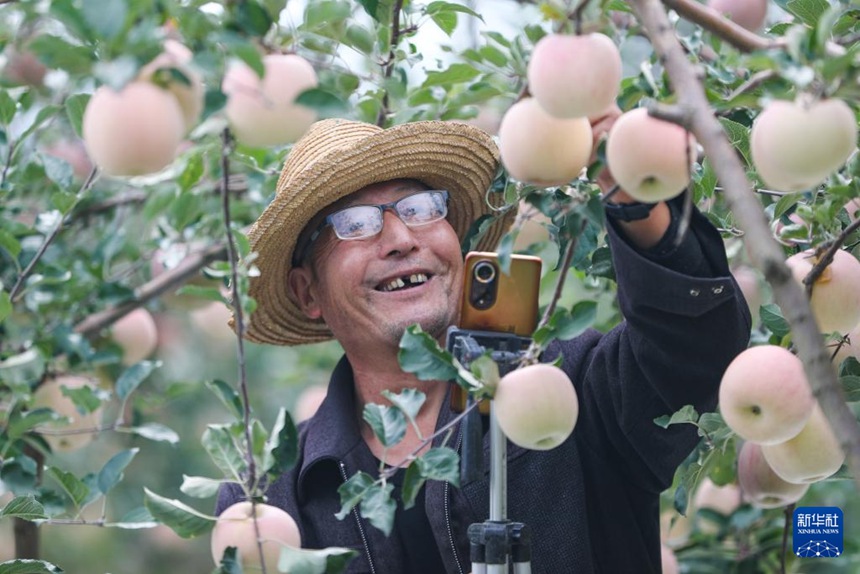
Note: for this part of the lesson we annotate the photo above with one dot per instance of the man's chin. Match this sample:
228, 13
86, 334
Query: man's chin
436, 327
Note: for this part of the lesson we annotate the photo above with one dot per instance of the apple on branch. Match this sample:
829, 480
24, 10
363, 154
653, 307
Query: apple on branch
835, 297
764, 395
749, 14
69, 434
235, 527
811, 456
536, 406
137, 334
760, 485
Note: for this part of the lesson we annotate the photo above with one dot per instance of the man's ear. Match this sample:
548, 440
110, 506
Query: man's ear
301, 284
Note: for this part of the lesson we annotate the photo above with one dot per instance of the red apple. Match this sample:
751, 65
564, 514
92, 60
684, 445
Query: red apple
761, 486
749, 14
137, 335
764, 396
723, 499
188, 93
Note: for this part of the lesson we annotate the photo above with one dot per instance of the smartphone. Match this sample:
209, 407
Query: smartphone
498, 302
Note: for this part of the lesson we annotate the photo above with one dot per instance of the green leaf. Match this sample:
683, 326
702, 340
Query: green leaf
326, 13
326, 104
378, 507
105, 18
42, 116
8, 107
200, 486
413, 480
455, 74
26, 566
771, 317
851, 387
439, 7
135, 519
25, 508
251, 18
370, 6
359, 38
131, 378
250, 56
566, 324
157, 432
785, 203
326, 561
440, 463
192, 173
5, 305
19, 474
282, 446
75, 107
809, 11
421, 355
74, 487
229, 563
739, 136
409, 401
388, 423
200, 292
21, 422
111, 472
218, 440
9, 243
181, 518
227, 395
352, 492
55, 52
447, 21
687, 414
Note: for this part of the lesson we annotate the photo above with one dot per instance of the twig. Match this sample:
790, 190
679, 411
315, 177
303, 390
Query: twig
19, 284
752, 82
716, 23
576, 16
765, 253
789, 514
164, 283
388, 64
825, 256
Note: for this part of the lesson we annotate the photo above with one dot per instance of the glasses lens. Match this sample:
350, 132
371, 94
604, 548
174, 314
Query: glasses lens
357, 221
423, 207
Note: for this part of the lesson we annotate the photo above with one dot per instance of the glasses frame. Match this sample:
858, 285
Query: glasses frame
382, 207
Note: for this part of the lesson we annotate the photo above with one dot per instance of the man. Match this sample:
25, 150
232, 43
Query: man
363, 240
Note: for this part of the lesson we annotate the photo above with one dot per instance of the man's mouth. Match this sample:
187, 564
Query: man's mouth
404, 282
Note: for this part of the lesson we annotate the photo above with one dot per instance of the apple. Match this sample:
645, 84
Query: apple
309, 401
50, 394
24, 68
764, 395
723, 499
649, 158
212, 321
748, 280
73, 152
669, 560
811, 456
137, 335
536, 406
749, 14
574, 76
760, 485
796, 145
542, 150
235, 527
835, 298
134, 131
262, 111
188, 93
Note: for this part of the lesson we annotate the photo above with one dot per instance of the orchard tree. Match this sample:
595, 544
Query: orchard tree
139, 139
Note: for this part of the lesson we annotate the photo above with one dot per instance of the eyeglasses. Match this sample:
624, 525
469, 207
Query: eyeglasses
363, 221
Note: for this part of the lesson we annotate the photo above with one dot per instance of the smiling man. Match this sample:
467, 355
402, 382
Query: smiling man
364, 238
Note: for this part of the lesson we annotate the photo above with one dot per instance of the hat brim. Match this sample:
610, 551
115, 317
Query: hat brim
443, 155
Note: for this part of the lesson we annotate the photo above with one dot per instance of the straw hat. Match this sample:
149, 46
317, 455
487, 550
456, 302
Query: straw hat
338, 157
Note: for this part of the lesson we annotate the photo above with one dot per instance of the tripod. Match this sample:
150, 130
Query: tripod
496, 542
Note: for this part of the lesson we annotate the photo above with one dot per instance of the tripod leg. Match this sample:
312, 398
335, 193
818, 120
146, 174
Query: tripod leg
498, 469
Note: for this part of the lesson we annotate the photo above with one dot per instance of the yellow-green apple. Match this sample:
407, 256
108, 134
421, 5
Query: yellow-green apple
575, 76
134, 131
542, 150
309, 401
137, 335
796, 145
79, 428
650, 158
536, 406
749, 14
669, 560
748, 280
764, 395
235, 527
761, 486
811, 456
835, 297
262, 111
723, 499
188, 90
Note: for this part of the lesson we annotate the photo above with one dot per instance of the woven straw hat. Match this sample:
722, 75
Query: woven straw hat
338, 157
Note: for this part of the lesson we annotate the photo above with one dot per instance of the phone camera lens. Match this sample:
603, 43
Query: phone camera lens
484, 272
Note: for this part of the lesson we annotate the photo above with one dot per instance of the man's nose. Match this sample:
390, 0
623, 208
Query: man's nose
396, 237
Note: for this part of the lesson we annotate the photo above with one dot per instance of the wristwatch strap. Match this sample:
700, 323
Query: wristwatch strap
628, 211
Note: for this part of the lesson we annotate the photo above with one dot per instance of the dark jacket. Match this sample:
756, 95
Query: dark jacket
592, 503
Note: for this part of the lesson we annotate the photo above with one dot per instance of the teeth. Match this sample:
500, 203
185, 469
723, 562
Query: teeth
414, 279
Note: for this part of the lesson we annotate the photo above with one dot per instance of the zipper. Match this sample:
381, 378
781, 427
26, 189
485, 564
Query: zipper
358, 521
447, 506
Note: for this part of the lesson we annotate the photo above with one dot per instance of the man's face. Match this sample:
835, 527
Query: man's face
353, 284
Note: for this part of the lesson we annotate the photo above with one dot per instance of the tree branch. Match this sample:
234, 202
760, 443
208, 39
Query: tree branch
388, 65
717, 24
765, 252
